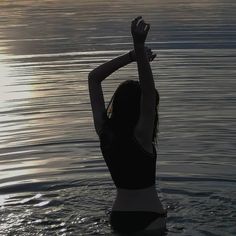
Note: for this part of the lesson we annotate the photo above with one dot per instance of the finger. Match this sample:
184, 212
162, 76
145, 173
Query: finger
148, 51
142, 26
139, 22
147, 27
138, 18
153, 56
133, 24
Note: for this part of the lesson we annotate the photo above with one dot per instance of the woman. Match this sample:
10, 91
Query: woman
127, 131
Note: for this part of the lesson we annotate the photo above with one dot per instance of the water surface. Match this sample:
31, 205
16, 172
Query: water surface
53, 180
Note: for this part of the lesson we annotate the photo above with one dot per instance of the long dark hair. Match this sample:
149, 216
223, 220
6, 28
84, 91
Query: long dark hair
123, 109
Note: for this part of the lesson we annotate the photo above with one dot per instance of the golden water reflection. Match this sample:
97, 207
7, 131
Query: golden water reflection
10, 87
14, 96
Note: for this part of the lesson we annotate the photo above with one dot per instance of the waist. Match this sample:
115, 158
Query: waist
145, 199
136, 192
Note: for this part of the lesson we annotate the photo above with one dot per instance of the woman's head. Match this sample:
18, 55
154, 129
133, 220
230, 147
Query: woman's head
124, 107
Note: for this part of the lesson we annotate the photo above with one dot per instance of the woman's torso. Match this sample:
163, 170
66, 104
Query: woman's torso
133, 169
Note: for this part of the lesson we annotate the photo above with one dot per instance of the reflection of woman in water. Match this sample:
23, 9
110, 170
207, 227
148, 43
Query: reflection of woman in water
127, 131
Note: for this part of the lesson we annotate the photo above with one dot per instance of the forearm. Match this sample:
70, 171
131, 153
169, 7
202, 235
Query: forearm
104, 70
144, 69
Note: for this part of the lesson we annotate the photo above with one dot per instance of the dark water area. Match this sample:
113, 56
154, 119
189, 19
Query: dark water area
53, 180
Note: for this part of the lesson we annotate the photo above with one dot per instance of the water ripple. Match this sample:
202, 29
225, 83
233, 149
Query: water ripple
53, 180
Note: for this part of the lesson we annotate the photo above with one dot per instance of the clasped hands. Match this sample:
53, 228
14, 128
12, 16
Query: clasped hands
139, 31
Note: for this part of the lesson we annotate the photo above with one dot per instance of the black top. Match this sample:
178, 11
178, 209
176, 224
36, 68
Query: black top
130, 165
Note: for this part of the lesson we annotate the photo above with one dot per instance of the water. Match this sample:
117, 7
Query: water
53, 180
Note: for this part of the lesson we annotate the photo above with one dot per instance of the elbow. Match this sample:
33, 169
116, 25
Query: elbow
93, 79
93, 73
90, 80
90, 75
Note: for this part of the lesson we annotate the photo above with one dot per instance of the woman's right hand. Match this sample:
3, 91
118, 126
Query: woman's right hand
139, 30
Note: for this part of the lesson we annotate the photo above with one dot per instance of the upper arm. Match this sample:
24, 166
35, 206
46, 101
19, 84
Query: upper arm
97, 102
145, 125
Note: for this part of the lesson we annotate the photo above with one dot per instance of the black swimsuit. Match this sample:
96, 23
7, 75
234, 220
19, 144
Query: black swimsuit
131, 167
132, 221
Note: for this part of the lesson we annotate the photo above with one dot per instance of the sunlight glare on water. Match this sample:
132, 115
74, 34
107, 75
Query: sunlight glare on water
13, 94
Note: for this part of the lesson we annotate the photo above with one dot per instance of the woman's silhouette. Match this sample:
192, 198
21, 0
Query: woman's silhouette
127, 130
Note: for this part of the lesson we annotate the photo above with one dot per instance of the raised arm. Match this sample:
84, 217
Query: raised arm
145, 126
95, 78
106, 69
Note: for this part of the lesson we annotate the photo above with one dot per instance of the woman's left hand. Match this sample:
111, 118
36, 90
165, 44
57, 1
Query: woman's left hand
149, 54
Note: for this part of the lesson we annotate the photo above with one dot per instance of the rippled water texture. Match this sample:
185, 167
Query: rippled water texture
53, 180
